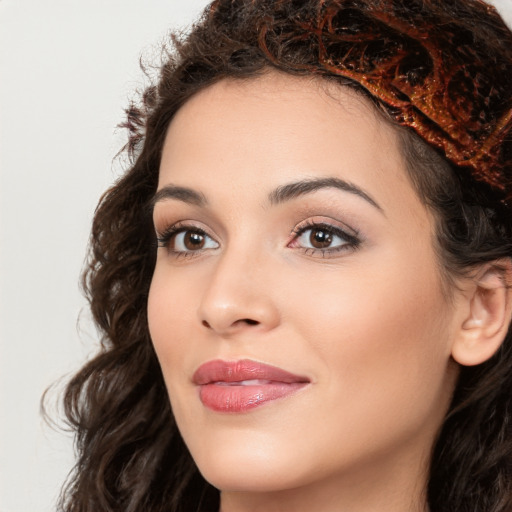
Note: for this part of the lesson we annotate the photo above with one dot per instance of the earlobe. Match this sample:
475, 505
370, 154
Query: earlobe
488, 316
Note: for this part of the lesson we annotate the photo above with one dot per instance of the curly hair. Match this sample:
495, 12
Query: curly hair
440, 72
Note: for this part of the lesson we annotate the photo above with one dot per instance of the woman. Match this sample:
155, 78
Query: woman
303, 279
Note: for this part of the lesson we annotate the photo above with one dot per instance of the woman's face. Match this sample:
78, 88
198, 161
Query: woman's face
296, 306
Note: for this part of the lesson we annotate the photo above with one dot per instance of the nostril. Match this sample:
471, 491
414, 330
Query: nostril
246, 321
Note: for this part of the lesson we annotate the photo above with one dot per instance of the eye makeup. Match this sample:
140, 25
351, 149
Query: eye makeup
316, 237
324, 239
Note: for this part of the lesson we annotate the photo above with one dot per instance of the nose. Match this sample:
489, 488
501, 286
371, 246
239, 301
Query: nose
238, 296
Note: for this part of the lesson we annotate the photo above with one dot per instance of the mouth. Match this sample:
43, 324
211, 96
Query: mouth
239, 386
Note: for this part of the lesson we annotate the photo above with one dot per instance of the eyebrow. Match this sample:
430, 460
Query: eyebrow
303, 187
279, 195
185, 194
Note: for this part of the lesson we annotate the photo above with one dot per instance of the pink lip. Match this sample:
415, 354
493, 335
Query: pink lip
239, 386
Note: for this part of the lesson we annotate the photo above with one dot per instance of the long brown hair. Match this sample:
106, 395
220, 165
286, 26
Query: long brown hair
456, 133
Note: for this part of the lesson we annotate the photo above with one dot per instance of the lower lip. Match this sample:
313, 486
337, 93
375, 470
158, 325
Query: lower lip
233, 398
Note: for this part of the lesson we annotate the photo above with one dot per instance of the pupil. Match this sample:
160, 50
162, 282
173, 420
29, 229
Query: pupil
194, 240
320, 239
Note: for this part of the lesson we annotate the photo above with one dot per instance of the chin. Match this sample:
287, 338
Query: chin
248, 465
250, 477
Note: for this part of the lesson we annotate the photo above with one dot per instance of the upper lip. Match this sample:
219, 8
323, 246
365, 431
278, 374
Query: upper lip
242, 370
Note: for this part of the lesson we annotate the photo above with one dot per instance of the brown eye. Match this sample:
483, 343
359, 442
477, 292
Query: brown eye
325, 239
193, 240
189, 240
320, 238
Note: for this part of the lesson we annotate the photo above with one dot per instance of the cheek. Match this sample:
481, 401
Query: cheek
383, 337
379, 313
170, 305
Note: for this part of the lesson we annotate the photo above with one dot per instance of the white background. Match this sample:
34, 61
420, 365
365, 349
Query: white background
67, 70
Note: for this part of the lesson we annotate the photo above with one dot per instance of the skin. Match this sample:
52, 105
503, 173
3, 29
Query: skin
370, 325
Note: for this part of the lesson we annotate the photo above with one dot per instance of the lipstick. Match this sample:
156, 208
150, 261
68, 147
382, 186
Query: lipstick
239, 386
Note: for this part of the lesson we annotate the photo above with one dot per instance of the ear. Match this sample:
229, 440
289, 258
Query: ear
487, 317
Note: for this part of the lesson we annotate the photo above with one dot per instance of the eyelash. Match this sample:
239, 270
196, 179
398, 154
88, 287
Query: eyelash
164, 239
352, 241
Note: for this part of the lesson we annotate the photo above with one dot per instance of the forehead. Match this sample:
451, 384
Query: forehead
297, 102
263, 132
